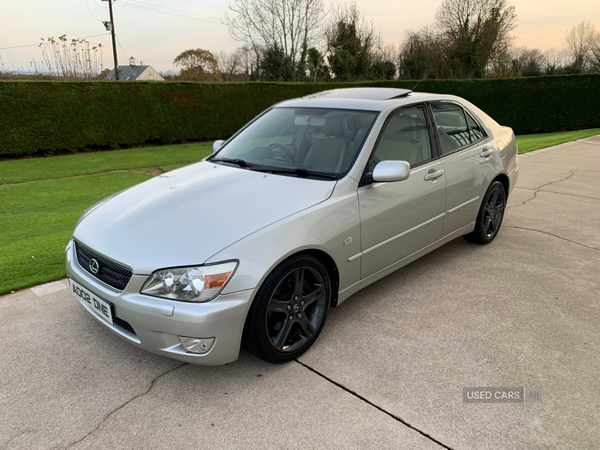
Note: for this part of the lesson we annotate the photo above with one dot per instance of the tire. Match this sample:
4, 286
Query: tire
289, 311
489, 218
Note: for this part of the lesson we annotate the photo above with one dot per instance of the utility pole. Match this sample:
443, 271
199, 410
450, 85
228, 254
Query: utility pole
114, 43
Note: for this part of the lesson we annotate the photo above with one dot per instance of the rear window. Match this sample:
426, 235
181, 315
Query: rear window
456, 127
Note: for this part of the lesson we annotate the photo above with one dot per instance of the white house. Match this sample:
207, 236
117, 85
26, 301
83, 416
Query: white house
134, 72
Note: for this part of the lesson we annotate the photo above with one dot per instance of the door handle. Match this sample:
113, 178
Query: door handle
486, 152
433, 175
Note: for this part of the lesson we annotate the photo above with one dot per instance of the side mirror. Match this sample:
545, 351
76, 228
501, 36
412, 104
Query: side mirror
391, 171
217, 146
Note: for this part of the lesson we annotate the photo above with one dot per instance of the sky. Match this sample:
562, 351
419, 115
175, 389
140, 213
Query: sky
157, 38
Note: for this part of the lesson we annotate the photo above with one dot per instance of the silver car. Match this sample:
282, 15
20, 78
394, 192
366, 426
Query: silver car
310, 202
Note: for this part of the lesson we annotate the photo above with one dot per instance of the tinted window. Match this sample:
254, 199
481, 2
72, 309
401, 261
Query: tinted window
474, 128
451, 125
404, 138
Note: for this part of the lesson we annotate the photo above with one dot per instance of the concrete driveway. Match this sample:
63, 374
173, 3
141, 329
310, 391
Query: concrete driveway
388, 371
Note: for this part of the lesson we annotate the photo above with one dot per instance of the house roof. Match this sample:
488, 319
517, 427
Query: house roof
127, 72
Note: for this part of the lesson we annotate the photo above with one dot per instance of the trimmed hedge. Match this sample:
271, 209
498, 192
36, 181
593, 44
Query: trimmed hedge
39, 117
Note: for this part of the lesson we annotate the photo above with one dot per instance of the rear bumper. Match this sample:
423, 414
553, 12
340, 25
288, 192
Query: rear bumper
222, 318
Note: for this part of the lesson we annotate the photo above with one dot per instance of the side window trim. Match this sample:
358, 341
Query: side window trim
463, 147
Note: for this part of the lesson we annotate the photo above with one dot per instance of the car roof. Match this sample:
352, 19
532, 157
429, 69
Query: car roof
368, 99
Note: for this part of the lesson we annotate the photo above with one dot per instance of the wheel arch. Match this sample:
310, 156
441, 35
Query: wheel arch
332, 270
324, 258
502, 178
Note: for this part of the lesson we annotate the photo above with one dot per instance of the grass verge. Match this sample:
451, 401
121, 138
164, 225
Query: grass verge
530, 142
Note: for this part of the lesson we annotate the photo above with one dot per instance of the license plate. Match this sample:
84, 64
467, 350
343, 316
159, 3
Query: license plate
87, 297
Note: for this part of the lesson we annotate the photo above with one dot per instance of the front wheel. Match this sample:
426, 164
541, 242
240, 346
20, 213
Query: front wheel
289, 310
490, 215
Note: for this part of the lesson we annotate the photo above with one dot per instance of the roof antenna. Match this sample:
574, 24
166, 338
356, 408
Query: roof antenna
413, 89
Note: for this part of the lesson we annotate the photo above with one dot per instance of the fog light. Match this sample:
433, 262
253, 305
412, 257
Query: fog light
196, 345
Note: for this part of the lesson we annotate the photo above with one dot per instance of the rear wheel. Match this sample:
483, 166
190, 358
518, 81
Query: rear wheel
289, 310
490, 215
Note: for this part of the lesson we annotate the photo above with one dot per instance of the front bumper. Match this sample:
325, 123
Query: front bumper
222, 318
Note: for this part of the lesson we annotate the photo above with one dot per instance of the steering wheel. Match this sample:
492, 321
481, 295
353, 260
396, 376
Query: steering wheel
286, 150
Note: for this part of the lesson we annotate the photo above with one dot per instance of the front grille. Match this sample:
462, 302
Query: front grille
125, 325
109, 272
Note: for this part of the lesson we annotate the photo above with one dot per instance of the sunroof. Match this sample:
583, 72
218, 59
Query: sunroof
363, 93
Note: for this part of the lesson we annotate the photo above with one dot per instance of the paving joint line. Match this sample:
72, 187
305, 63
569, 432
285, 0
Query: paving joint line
535, 193
556, 192
97, 427
360, 397
552, 234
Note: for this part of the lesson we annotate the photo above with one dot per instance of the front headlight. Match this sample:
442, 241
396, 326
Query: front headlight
189, 284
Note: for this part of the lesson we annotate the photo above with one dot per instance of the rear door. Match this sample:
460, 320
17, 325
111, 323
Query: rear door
400, 218
466, 156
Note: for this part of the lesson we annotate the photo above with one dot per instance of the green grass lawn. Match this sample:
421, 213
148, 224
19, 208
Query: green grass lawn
530, 142
170, 156
42, 198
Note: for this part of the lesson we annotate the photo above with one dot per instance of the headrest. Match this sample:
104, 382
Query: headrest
401, 127
450, 119
335, 125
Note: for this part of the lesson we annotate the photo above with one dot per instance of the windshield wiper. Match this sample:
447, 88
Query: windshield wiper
238, 161
299, 171
303, 172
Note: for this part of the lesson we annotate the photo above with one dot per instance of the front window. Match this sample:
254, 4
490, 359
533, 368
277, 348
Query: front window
317, 142
405, 137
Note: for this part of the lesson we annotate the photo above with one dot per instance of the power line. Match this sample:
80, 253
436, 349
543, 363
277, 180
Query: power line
90, 10
152, 5
35, 45
119, 42
171, 12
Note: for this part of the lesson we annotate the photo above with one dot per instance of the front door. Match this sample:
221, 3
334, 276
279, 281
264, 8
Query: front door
400, 218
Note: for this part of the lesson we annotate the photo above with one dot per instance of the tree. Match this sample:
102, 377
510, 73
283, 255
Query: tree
475, 32
595, 53
531, 62
556, 60
383, 66
580, 40
275, 65
230, 64
317, 68
198, 65
351, 44
286, 25
423, 54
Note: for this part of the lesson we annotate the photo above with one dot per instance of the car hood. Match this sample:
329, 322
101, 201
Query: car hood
184, 217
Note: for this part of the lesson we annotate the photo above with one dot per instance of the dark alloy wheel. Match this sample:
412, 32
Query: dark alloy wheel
289, 311
490, 215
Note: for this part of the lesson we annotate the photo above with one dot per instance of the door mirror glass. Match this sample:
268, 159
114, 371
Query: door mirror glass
217, 146
391, 171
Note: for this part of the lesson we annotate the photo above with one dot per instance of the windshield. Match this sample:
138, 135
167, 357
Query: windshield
305, 142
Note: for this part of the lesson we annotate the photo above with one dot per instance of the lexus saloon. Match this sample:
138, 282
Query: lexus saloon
310, 202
